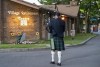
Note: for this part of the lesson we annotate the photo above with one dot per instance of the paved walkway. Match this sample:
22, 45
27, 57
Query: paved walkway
87, 55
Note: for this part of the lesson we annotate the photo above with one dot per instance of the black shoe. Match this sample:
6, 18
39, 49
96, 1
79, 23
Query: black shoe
52, 62
59, 64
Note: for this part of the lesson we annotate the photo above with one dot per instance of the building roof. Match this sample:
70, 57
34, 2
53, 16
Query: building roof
64, 9
32, 5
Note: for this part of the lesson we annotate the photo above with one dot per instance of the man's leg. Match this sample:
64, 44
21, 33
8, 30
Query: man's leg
59, 58
52, 57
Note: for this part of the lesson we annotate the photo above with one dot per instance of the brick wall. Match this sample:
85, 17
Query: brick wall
0, 21
13, 13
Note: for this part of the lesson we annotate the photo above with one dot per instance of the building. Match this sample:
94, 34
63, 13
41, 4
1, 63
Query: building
69, 15
17, 17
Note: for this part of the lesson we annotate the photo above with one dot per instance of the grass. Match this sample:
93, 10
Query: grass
4, 46
43, 43
79, 38
72, 40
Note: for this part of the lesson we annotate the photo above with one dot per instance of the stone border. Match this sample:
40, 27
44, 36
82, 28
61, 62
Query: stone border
21, 49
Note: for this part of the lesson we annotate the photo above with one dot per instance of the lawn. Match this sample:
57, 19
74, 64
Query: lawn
45, 43
79, 38
4, 46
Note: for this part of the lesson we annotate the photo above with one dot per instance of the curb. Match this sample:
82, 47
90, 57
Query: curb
22, 49
38, 49
82, 43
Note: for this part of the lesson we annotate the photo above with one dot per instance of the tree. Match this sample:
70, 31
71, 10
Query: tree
90, 9
49, 2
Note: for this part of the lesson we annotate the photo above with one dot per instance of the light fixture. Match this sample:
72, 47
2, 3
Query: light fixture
63, 18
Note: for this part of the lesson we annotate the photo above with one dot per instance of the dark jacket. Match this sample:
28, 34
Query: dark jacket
57, 27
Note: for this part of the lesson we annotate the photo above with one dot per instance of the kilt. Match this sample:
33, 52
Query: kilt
57, 43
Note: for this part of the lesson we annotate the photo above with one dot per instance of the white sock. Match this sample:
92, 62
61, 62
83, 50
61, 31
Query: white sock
59, 56
52, 55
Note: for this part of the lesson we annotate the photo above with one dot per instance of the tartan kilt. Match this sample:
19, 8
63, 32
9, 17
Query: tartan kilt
57, 43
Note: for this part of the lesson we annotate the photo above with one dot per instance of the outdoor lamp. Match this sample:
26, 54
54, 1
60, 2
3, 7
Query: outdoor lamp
62, 17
